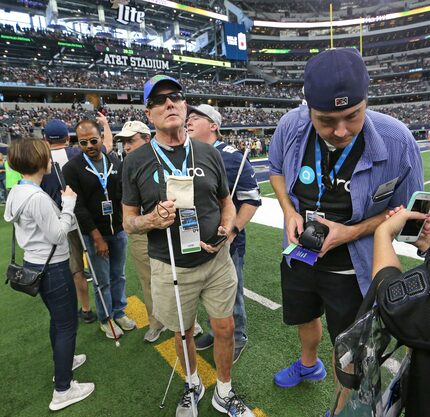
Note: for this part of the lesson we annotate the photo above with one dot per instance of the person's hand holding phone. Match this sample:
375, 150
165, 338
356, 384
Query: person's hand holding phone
216, 242
397, 218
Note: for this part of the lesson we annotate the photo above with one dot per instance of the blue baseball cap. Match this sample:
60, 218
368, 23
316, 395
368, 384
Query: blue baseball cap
55, 130
335, 80
150, 85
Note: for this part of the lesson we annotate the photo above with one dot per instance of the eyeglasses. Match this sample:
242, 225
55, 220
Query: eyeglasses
84, 142
197, 117
160, 99
326, 179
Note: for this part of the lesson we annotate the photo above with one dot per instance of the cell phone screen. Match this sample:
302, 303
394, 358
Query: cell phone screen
413, 227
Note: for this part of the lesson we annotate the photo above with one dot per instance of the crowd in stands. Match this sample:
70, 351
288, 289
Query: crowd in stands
134, 81
23, 122
91, 42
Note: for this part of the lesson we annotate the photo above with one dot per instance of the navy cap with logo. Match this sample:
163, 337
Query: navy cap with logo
55, 130
154, 81
335, 80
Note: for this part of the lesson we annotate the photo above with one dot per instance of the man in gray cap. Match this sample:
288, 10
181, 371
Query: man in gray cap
340, 164
204, 123
133, 135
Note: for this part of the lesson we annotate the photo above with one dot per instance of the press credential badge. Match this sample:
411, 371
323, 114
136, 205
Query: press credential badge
189, 231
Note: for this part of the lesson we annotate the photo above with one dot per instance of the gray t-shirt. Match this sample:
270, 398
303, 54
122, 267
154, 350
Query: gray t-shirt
141, 189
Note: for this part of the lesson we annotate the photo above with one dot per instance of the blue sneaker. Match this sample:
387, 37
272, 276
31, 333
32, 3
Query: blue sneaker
296, 373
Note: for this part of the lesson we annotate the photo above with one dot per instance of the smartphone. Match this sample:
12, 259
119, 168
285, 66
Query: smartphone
420, 201
216, 240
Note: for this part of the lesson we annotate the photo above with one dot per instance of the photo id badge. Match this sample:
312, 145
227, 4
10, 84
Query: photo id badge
190, 239
107, 207
310, 215
188, 218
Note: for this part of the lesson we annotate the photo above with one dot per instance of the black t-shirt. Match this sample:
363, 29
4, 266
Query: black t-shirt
140, 188
336, 204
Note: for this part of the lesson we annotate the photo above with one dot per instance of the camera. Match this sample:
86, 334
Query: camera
314, 235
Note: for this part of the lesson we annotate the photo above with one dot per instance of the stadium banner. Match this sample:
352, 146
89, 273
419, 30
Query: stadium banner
201, 41
135, 61
235, 42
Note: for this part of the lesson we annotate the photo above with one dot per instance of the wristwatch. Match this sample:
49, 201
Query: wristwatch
235, 230
421, 253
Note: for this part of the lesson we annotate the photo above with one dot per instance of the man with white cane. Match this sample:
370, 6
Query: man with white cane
204, 123
191, 260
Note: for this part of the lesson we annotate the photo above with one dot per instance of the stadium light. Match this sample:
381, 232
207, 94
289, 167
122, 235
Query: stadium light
340, 23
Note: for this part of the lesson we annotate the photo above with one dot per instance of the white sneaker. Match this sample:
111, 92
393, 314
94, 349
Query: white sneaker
153, 334
77, 392
105, 327
197, 329
78, 360
126, 323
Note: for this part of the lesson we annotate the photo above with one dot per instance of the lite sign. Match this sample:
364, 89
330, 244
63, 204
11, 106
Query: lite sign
135, 62
128, 14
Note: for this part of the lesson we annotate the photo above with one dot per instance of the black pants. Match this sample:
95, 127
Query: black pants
417, 399
307, 293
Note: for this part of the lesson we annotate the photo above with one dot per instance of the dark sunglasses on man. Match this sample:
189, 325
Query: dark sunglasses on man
84, 142
160, 99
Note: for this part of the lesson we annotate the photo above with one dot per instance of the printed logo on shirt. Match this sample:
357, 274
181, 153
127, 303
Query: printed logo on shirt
198, 172
306, 175
155, 176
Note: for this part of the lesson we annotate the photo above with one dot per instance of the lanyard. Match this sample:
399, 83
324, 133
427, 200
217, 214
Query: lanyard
335, 169
216, 143
28, 182
175, 171
103, 180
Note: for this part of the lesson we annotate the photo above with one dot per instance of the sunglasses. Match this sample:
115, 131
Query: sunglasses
160, 99
84, 142
326, 179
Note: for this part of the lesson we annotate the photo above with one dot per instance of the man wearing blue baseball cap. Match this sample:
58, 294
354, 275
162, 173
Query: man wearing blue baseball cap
343, 165
56, 133
181, 184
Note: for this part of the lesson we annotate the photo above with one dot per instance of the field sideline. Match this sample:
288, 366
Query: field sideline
130, 380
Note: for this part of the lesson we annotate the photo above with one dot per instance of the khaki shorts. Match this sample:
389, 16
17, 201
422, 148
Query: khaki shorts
76, 252
214, 283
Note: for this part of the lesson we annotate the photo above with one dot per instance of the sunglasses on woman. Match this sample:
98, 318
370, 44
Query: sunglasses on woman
160, 99
84, 142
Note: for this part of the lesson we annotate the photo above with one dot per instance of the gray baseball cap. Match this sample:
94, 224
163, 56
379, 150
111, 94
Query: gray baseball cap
207, 111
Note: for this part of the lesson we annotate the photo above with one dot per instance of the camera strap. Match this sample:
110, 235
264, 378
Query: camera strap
335, 170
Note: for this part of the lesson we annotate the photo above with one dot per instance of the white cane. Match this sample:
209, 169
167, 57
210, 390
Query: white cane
181, 320
239, 172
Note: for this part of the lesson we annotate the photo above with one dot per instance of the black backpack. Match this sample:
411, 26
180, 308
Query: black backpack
403, 301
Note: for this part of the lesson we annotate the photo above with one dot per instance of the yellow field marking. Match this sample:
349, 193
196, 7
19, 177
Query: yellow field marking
136, 310
206, 371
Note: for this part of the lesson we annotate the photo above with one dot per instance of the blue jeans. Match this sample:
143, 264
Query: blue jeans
239, 313
110, 274
2, 190
58, 292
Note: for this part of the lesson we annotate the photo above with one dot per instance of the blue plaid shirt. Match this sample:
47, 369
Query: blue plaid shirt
390, 151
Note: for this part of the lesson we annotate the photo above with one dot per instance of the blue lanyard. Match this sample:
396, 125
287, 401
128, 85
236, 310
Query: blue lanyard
104, 180
28, 182
335, 169
175, 171
216, 143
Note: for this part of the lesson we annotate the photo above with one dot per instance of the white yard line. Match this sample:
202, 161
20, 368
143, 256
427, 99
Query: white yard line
261, 300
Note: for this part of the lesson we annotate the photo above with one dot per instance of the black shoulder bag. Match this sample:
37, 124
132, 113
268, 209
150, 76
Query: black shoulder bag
25, 279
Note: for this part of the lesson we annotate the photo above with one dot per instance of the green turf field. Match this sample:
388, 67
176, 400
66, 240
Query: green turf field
130, 380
